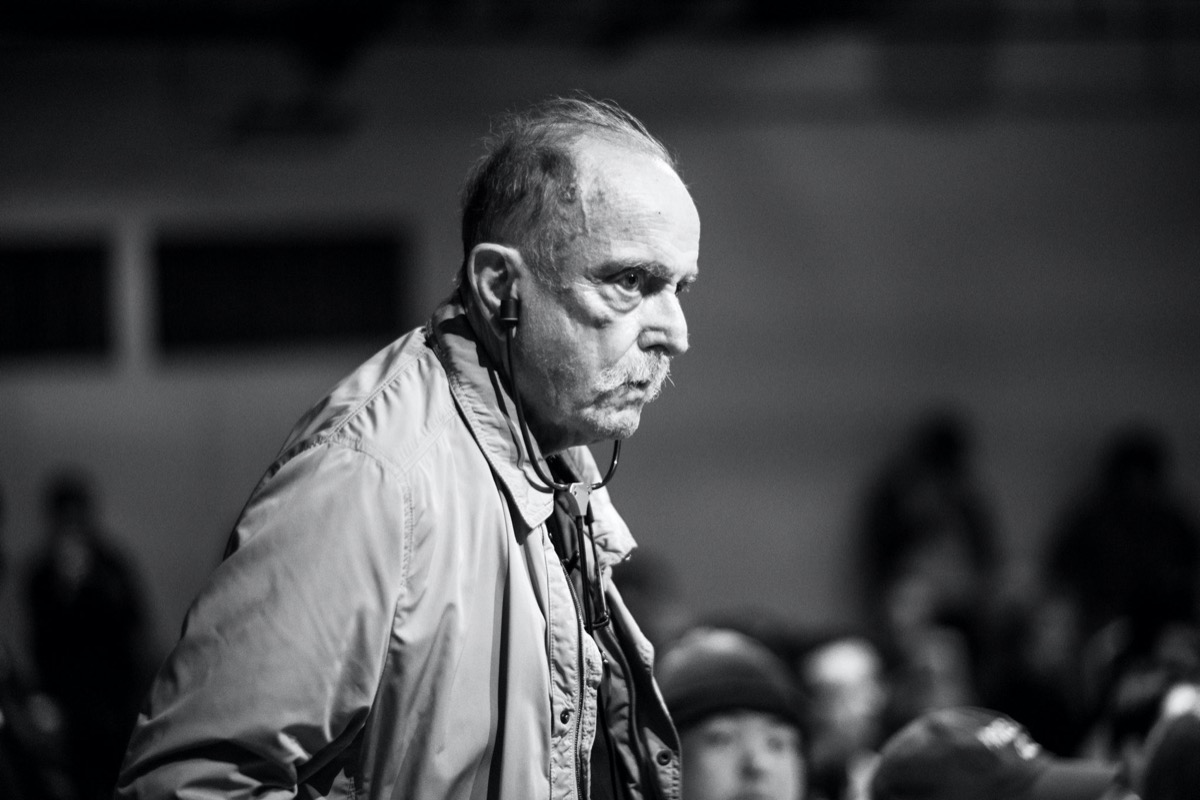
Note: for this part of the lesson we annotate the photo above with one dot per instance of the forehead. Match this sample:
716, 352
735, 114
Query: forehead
610, 171
630, 197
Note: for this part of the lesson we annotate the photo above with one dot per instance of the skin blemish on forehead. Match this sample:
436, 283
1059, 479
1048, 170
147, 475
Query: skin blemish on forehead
594, 197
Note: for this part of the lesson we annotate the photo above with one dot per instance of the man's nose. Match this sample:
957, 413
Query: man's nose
665, 328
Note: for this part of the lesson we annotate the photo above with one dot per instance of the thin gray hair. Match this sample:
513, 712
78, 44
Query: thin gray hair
524, 191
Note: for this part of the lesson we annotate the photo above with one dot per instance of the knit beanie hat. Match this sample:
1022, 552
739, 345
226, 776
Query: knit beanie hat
714, 670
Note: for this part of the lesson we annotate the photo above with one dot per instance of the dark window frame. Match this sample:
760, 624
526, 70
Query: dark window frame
56, 297
245, 289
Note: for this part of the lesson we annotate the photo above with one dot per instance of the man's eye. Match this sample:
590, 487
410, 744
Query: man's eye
631, 280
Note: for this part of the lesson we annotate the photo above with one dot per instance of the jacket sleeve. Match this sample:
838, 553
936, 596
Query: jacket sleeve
282, 651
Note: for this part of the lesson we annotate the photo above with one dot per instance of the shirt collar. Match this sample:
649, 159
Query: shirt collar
478, 390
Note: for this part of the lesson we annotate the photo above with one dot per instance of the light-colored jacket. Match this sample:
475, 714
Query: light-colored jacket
391, 619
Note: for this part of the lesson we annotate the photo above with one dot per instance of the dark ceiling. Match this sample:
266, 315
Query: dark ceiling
598, 21
329, 34
328, 37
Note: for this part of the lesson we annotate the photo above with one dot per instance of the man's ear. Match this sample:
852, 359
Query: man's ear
493, 272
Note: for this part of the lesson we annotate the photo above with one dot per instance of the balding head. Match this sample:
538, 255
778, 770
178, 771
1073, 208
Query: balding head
525, 192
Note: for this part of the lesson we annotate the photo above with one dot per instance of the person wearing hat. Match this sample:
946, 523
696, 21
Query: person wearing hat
1171, 759
737, 709
964, 753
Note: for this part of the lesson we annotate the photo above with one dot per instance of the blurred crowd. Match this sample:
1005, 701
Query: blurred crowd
1083, 684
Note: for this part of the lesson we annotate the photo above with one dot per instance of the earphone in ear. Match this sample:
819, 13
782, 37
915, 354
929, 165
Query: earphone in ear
510, 312
595, 605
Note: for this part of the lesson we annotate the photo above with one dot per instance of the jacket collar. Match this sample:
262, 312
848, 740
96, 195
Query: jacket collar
478, 389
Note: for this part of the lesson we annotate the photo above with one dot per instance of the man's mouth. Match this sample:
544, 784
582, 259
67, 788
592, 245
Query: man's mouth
632, 389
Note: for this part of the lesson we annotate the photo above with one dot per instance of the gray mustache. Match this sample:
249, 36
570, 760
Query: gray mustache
653, 369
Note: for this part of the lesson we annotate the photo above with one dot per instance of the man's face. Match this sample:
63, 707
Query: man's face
592, 352
743, 755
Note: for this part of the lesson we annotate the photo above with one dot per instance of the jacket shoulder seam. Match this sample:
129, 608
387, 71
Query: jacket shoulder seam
407, 360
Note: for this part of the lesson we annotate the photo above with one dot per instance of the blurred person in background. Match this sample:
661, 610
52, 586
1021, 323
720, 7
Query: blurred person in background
1127, 553
930, 559
969, 753
928, 532
844, 679
416, 600
1138, 690
29, 751
1169, 768
1122, 566
89, 633
1032, 672
738, 710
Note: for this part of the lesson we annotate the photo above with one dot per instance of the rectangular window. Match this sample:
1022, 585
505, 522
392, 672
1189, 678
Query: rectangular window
236, 291
54, 299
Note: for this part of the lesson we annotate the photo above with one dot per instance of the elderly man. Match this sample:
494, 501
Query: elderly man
415, 601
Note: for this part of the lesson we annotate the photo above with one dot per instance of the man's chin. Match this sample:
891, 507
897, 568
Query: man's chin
618, 425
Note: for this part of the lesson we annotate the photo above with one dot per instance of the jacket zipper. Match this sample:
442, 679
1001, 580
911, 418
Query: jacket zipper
613, 774
580, 781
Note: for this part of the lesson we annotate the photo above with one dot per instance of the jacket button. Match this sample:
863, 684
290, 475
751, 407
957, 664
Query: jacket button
565, 716
663, 758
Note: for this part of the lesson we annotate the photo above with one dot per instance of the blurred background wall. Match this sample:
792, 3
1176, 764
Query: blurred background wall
995, 210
